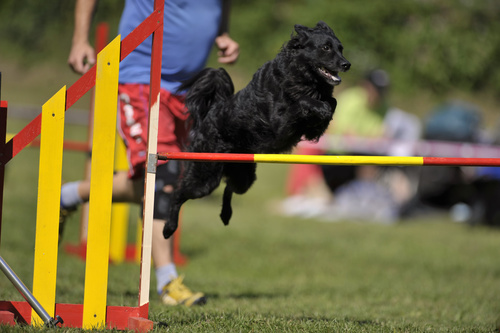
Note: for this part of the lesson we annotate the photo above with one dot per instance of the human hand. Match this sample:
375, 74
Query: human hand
229, 50
81, 57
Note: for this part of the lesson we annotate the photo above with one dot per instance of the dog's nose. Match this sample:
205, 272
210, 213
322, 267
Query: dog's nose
346, 65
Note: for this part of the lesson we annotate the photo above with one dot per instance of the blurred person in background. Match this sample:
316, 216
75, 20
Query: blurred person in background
359, 192
469, 194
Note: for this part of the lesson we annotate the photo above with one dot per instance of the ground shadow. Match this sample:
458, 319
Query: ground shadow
247, 295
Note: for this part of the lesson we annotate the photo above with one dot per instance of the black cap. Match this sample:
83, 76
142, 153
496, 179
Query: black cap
380, 79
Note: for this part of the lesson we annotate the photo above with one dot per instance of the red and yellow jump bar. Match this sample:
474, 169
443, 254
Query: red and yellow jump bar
330, 160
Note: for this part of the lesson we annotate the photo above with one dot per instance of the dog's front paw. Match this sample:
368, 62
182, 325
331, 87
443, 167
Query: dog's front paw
169, 229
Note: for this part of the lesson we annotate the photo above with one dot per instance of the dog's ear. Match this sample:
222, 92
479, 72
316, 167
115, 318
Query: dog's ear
297, 41
300, 29
323, 26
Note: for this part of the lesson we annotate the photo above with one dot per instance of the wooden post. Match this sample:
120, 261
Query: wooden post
48, 205
101, 185
151, 161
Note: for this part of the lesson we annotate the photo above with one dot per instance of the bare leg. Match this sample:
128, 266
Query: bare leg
124, 188
161, 248
128, 190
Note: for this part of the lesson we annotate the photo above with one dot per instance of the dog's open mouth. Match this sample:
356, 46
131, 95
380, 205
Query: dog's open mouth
332, 77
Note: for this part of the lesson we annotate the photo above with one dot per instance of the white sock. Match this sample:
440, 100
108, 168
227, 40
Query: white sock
164, 275
69, 195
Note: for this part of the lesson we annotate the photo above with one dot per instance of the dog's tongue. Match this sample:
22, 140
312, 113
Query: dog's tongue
332, 76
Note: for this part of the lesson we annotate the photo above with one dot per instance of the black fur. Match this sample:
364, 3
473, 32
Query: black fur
289, 98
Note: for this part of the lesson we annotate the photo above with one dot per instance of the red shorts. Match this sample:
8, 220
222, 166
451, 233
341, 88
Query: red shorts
133, 111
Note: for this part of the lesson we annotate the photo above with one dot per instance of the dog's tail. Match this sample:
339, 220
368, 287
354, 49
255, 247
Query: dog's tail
209, 87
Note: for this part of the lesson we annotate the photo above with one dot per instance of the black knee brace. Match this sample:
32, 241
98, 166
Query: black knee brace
166, 174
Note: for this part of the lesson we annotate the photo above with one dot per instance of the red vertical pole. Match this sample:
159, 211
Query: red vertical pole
156, 55
179, 258
3, 137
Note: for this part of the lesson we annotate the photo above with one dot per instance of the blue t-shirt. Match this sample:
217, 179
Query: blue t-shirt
190, 28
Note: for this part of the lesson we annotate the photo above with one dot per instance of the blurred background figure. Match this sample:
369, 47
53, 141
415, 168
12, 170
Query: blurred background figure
468, 194
360, 192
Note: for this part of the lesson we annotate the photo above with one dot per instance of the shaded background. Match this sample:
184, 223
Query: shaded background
433, 50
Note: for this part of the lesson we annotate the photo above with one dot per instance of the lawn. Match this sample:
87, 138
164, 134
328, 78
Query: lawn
268, 273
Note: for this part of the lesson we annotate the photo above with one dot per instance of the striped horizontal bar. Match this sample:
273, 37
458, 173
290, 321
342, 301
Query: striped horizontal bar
459, 161
337, 160
330, 160
208, 157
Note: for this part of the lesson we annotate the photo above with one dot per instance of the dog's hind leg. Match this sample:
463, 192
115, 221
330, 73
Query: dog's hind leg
239, 179
199, 180
240, 176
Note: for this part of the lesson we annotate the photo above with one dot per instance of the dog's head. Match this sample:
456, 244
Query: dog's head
321, 51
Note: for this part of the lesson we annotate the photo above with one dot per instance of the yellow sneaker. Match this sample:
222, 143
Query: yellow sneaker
176, 293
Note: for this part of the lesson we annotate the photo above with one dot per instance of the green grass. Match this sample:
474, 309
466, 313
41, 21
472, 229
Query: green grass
267, 273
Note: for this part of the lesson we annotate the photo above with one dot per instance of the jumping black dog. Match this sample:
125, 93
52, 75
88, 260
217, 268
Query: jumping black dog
288, 99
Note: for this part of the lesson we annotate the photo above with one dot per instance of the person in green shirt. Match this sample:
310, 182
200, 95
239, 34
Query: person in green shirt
361, 109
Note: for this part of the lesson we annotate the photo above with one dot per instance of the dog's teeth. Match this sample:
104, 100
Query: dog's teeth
332, 76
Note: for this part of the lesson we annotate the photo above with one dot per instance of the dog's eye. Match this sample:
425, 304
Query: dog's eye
326, 48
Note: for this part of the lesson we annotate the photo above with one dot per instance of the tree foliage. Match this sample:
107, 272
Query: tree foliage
437, 45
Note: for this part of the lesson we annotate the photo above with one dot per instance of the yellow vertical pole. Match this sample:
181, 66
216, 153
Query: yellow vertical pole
119, 212
101, 183
48, 203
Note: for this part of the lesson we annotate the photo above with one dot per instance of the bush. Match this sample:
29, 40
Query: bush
436, 45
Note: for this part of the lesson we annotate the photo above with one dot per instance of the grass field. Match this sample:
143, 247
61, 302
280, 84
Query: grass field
267, 273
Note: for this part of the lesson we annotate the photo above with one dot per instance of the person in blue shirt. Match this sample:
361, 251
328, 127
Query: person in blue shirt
191, 28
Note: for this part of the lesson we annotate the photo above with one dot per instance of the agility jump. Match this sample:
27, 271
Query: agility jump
50, 124
93, 313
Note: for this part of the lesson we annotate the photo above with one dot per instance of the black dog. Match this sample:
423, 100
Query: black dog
288, 99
